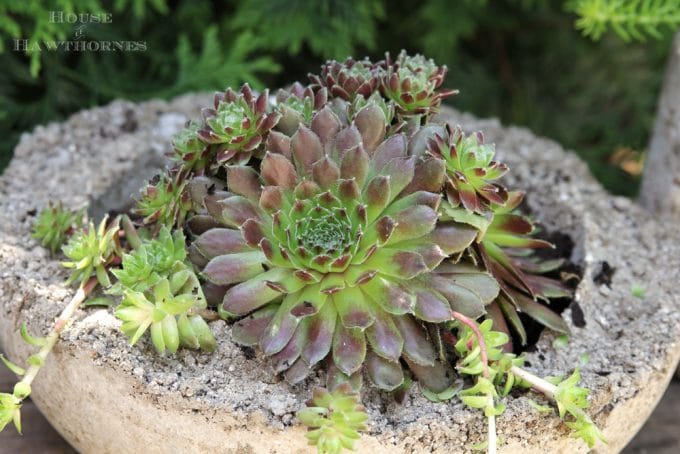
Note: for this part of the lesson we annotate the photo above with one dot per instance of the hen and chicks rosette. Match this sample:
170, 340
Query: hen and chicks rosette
323, 238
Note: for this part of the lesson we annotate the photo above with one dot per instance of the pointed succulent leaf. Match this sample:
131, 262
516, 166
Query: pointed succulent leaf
349, 349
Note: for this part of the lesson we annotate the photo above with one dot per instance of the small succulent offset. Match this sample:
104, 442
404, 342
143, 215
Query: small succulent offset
164, 202
90, 250
471, 170
348, 79
55, 224
334, 419
164, 310
342, 225
237, 125
412, 83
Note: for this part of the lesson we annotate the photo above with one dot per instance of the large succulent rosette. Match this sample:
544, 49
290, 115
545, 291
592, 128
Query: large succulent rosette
333, 249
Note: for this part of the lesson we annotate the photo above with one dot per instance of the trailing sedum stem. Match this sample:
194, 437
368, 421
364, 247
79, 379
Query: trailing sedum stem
37, 360
10, 404
539, 384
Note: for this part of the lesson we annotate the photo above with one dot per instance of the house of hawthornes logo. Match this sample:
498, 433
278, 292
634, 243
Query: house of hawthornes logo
78, 41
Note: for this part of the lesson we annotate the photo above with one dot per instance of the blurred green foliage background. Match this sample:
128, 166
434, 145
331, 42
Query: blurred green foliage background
523, 61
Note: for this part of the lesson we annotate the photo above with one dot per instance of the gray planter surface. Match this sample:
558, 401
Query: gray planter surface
104, 396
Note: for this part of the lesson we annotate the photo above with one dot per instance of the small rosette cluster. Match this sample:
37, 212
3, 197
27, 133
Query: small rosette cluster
163, 201
55, 223
471, 170
297, 105
334, 419
90, 250
348, 79
413, 82
330, 251
162, 294
237, 124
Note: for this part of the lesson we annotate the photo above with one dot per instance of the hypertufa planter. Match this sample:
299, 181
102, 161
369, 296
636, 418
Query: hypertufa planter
103, 395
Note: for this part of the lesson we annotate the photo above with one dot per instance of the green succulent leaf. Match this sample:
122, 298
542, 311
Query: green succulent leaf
443, 396
31, 340
18, 370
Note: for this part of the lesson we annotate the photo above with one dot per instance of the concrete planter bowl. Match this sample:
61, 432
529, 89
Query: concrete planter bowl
104, 396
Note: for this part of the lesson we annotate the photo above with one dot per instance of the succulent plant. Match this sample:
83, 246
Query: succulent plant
471, 170
334, 419
192, 152
237, 125
330, 248
55, 224
571, 400
164, 310
159, 292
90, 250
412, 82
348, 79
145, 266
163, 201
297, 105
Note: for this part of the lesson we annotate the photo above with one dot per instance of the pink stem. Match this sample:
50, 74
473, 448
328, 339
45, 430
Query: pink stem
480, 339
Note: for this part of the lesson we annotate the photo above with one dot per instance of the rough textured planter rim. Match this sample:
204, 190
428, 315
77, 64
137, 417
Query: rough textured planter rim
104, 396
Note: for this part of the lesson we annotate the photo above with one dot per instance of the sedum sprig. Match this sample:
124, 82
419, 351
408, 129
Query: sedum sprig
334, 419
55, 224
571, 402
497, 372
10, 411
90, 250
476, 345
